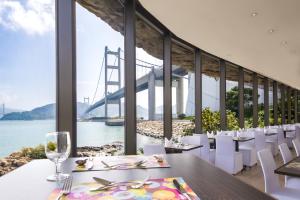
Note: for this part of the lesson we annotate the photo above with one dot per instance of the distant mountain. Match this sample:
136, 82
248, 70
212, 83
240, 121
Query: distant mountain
9, 110
40, 113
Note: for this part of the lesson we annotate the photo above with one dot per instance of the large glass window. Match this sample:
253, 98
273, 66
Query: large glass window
248, 99
286, 104
149, 84
27, 71
279, 104
232, 97
100, 78
298, 106
183, 90
271, 105
292, 106
261, 102
210, 94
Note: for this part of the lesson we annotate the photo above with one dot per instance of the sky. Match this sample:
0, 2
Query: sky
27, 56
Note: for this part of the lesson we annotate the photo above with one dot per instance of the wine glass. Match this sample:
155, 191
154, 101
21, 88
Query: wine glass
57, 149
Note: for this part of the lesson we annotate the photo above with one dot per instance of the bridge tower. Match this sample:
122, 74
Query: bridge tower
116, 83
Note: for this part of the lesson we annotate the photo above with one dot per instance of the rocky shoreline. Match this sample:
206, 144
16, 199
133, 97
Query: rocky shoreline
155, 129
17, 159
152, 129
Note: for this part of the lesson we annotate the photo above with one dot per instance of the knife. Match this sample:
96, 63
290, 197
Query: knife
181, 190
102, 181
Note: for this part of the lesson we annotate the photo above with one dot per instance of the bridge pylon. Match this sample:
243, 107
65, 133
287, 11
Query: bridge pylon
116, 83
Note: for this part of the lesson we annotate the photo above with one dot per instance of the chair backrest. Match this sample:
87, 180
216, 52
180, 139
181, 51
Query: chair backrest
280, 136
194, 139
260, 140
268, 166
225, 153
296, 144
205, 149
151, 149
297, 132
285, 153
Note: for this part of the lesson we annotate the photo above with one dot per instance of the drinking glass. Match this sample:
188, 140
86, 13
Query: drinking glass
57, 149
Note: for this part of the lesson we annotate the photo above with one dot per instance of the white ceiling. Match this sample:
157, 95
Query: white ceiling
226, 28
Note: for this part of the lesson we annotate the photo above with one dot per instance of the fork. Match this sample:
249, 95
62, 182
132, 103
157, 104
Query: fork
66, 187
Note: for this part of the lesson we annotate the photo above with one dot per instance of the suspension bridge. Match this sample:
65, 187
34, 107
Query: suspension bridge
150, 77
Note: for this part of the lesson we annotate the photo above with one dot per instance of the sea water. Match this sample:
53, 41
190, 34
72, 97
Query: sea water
14, 135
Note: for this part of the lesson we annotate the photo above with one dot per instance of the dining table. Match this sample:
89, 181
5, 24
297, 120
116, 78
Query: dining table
237, 140
179, 148
208, 182
287, 131
291, 168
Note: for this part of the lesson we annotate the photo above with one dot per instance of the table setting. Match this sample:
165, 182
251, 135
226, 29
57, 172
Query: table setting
57, 148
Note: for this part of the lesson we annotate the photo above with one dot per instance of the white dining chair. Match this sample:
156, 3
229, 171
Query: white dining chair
152, 149
226, 157
280, 136
286, 154
297, 132
207, 153
260, 141
247, 149
272, 185
296, 144
194, 140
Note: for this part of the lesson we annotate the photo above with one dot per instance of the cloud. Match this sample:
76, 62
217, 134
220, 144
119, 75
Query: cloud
35, 17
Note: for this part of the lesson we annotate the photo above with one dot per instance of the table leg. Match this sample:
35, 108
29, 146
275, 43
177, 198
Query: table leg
237, 146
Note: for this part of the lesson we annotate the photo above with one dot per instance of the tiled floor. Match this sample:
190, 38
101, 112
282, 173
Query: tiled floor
254, 176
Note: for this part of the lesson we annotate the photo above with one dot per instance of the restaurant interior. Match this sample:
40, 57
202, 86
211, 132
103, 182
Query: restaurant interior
205, 95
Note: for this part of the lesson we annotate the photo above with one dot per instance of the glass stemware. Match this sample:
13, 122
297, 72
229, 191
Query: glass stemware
57, 149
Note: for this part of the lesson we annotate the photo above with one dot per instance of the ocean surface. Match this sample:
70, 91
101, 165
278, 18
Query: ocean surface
14, 135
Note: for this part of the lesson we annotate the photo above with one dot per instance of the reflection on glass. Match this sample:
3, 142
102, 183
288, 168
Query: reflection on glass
149, 84
183, 91
248, 99
210, 94
100, 78
232, 97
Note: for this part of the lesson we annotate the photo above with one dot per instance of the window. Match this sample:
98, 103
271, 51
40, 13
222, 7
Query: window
149, 84
100, 78
232, 97
293, 106
210, 94
248, 99
279, 103
183, 90
27, 68
261, 104
271, 104
298, 106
